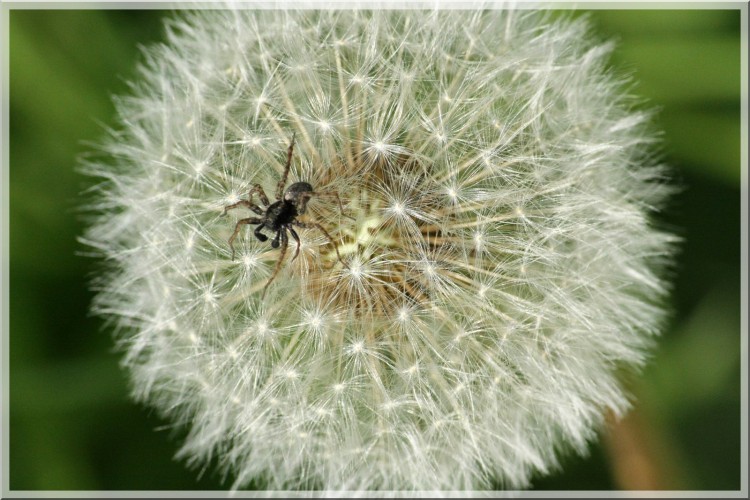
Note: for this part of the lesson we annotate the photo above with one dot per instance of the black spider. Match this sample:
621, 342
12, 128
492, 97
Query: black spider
281, 215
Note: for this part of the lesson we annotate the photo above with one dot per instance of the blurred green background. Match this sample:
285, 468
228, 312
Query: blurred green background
72, 425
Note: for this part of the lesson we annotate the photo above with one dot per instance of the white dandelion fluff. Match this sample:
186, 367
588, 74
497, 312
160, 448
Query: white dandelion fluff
498, 266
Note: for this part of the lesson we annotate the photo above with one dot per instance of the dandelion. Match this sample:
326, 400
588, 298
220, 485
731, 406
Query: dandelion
498, 267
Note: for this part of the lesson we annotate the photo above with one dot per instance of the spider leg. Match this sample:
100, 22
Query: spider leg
261, 194
333, 194
307, 225
244, 203
296, 238
240, 223
282, 182
275, 242
284, 242
258, 234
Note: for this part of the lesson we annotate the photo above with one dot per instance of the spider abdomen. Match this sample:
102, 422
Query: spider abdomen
293, 191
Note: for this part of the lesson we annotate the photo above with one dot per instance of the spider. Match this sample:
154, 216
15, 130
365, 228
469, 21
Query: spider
282, 214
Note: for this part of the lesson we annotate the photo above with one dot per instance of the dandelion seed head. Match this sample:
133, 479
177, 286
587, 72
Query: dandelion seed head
404, 314
249, 261
262, 328
357, 347
492, 268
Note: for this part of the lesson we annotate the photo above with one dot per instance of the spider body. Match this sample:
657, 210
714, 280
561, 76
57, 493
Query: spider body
282, 214
279, 214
